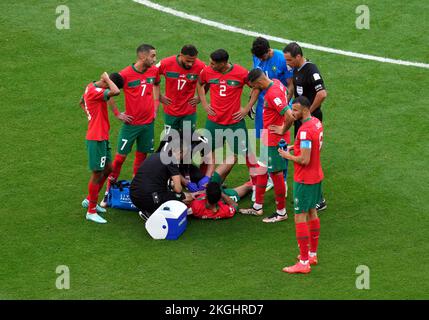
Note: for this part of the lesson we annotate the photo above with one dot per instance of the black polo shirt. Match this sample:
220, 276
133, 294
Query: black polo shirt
153, 176
307, 81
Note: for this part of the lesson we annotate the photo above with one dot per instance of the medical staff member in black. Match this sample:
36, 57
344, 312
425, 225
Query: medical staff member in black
158, 180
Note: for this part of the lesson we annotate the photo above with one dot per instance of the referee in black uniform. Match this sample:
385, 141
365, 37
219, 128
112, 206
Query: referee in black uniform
307, 82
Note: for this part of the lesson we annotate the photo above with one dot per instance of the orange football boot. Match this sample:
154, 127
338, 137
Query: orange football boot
298, 268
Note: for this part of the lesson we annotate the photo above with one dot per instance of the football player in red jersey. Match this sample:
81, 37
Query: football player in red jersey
141, 90
308, 176
225, 114
217, 202
181, 76
94, 104
276, 112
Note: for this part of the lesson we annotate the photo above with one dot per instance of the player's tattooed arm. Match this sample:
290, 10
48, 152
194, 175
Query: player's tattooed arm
288, 121
122, 116
202, 95
244, 111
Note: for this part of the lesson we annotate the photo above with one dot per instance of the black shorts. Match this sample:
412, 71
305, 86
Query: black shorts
150, 202
317, 114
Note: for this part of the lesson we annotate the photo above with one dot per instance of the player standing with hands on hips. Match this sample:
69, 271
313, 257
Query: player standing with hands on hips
308, 176
307, 82
141, 90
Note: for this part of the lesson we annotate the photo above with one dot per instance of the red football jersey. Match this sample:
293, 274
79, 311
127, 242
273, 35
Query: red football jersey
310, 130
94, 104
200, 210
275, 106
225, 92
138, 91
180, 84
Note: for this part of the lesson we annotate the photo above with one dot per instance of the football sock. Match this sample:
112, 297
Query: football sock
251, 164
257, 206
279, 190
116, 170
203, 168
92, 197
314, 226
261, 183
101, 183
302, 236
138, 160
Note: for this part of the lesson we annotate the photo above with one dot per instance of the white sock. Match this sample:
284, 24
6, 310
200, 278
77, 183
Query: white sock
257, 206
303, 262
281, 212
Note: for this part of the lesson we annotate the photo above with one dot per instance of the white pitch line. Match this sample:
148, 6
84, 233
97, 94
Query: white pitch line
225, 27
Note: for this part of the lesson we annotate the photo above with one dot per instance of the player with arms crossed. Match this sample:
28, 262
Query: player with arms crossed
94, 104
276, 113
141, 90
307, 189
226, 82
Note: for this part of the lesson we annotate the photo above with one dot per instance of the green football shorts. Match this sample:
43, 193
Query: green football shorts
271, 159
99, 153
306, 196
172, 122
237, 131
142, 134
229, 192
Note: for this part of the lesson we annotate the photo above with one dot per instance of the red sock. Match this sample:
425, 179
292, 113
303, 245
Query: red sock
203, 168
302, 235
261, 184
101, 183
314, 226
252, 164
92, 197
138, 160
254, 180
116, 169
279, 189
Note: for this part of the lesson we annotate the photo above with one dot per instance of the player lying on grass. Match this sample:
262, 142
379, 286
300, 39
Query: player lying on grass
94, 103
217, 202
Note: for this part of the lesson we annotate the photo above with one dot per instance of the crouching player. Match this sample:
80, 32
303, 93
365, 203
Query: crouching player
276, 113
308, 176
218, 202
94, 103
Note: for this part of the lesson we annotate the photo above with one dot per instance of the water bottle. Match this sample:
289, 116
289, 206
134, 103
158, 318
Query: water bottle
283, 144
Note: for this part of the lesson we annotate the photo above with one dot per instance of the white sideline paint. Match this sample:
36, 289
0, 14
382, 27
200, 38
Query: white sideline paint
225, 27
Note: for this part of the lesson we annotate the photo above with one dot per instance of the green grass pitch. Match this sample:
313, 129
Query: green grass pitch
375, 156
